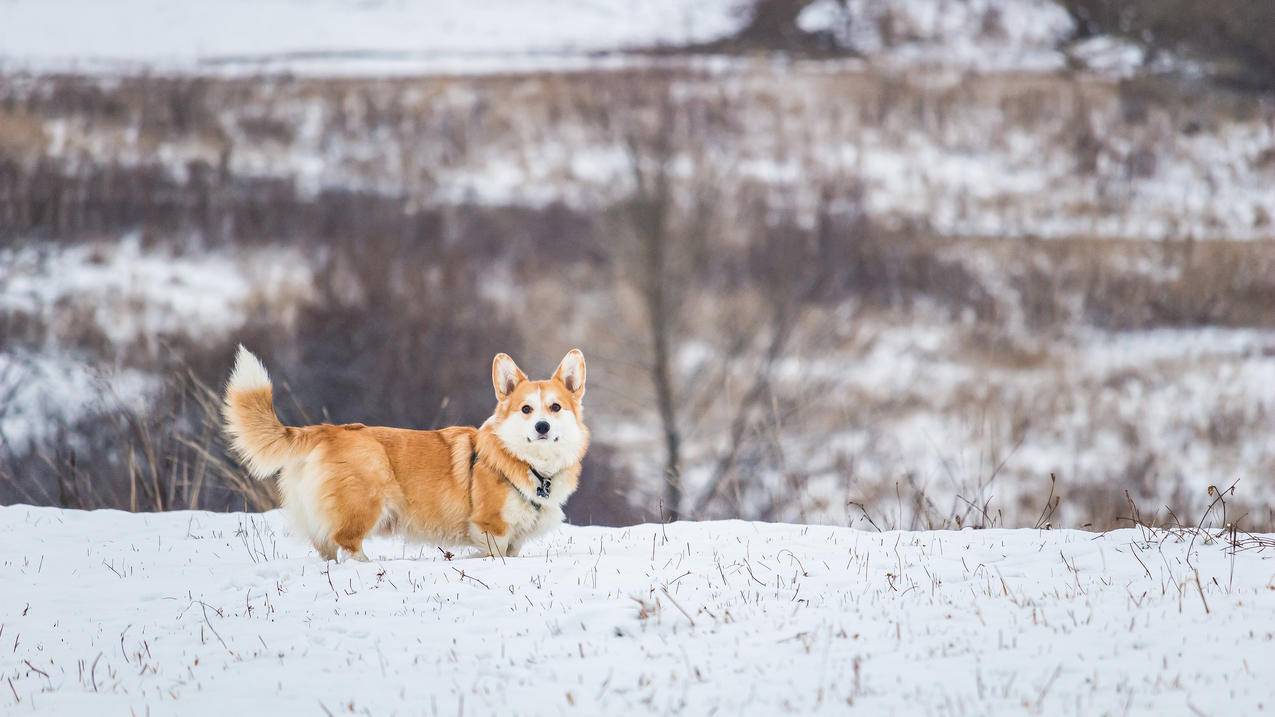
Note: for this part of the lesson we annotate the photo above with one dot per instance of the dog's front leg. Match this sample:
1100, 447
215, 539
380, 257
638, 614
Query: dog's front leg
490, 541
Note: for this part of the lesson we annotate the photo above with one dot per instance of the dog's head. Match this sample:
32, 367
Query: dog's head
541, 422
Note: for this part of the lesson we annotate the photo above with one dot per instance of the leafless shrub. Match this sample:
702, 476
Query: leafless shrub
380, 344
664, 236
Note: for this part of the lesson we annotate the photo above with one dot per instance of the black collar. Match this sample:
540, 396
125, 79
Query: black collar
542, 490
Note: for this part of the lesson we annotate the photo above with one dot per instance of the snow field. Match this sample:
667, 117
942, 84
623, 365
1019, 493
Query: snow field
198, 613
398, 37
343, 36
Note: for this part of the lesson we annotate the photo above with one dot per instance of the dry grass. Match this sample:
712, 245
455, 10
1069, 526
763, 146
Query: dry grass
170, 457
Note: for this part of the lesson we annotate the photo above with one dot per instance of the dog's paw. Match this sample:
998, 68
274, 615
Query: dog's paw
359, 556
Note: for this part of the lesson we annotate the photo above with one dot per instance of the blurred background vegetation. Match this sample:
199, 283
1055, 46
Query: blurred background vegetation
816, 278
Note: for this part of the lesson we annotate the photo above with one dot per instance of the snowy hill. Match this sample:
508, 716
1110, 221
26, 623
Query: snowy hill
390, 37
381, 36
199, 613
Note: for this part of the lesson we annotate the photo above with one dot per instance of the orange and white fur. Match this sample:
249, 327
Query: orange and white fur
455, 486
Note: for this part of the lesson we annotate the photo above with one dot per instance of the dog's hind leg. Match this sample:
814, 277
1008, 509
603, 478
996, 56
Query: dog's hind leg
358, 555
327, 550
354, 521
356, 499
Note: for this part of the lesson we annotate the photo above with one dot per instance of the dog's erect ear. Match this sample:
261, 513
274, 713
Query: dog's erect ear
571, 373
505, 376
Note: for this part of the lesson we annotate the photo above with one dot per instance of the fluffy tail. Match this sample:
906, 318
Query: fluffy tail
262, 442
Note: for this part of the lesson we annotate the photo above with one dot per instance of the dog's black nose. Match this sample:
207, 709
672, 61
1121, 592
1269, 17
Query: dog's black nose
542, 427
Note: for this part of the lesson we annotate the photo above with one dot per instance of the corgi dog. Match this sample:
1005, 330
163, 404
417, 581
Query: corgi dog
493, 487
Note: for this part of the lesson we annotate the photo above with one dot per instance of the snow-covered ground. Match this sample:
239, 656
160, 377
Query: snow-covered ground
396, 37
199, 613
344, 36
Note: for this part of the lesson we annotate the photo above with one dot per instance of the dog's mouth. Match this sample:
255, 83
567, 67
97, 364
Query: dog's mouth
542, 438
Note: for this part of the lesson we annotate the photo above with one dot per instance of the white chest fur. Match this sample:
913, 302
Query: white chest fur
526, 521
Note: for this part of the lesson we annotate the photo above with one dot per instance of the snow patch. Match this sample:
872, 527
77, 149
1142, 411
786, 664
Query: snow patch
204, 614
133, 293
976, 34
343, 36
1110, 55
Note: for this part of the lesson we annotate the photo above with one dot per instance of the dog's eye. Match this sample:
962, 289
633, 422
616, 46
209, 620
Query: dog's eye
555, 407
526, 409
